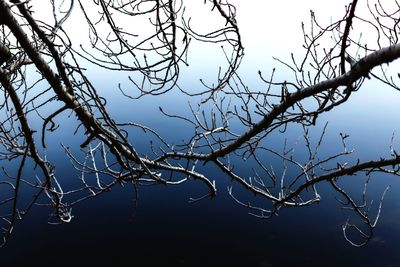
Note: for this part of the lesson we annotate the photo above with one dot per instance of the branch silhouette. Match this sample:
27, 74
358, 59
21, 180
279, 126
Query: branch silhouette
107, 156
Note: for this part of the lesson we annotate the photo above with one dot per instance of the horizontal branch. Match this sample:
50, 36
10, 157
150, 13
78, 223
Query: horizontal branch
358, 71
344, 171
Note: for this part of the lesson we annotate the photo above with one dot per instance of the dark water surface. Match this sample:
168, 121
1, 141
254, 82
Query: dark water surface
168, 232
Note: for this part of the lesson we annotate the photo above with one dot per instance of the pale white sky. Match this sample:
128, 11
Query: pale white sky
263, 23
276, 24
268, 28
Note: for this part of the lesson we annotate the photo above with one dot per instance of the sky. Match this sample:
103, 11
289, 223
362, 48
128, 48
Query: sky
276, 24
272, 25
268, 28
